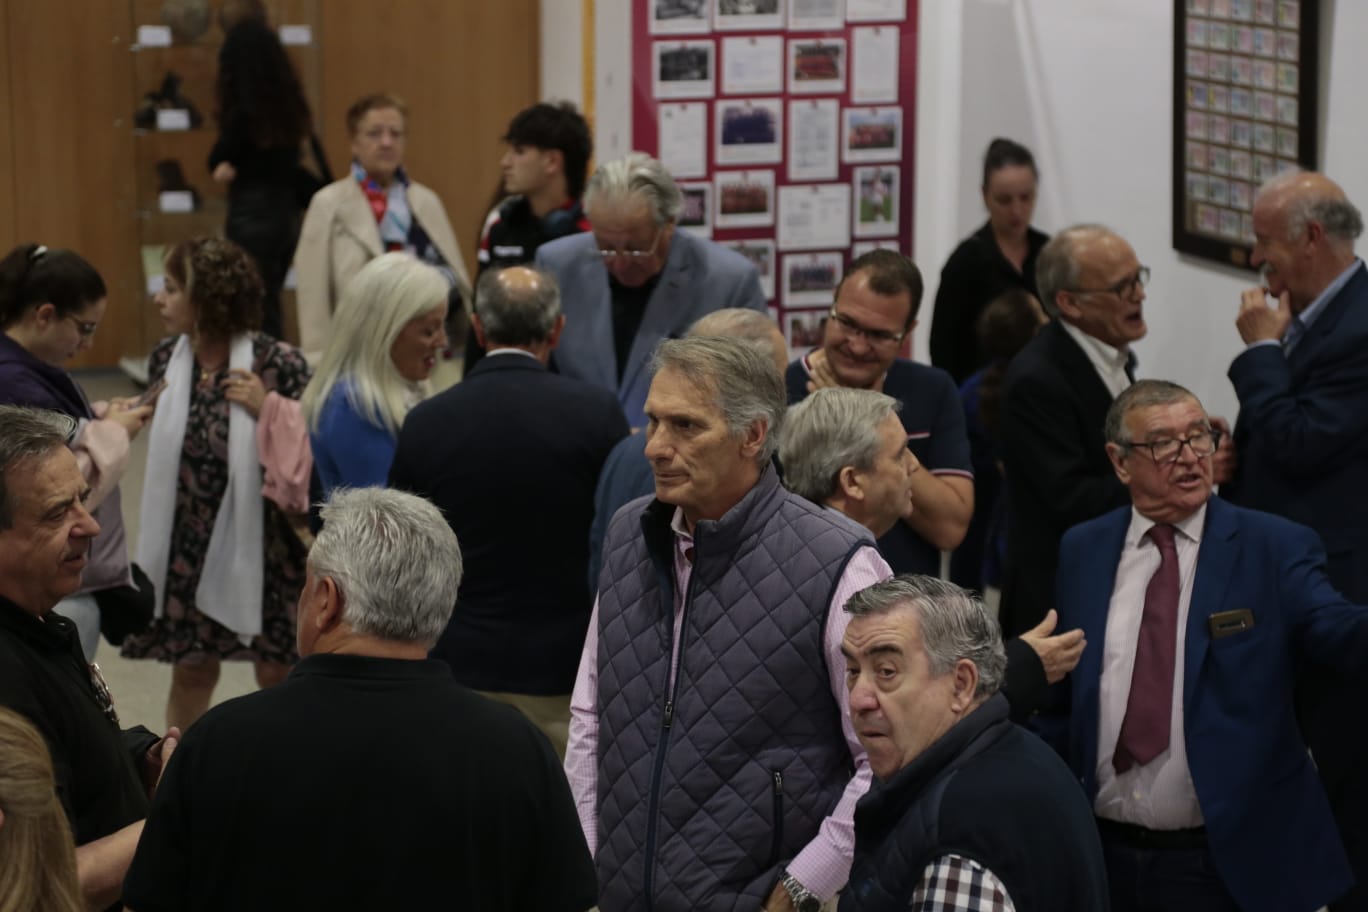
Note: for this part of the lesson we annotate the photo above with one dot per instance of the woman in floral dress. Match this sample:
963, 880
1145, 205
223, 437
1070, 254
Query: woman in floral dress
226, 563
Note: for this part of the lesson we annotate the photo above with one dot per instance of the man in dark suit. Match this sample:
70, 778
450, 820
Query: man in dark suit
1302, 439
637, 279
1055, 397
1182, 727
511, 456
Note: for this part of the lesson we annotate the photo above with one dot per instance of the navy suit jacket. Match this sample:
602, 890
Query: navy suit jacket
511, 455
699, 277
1268, 821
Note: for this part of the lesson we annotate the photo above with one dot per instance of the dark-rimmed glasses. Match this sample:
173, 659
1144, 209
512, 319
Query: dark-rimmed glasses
1122, 289
874, 336
1165, 450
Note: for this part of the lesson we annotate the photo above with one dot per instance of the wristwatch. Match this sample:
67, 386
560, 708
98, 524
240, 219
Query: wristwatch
804, 900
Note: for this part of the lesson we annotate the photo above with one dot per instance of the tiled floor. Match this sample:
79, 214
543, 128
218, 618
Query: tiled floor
140, 687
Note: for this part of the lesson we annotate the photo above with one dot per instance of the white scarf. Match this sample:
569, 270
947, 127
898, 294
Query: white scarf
230, 582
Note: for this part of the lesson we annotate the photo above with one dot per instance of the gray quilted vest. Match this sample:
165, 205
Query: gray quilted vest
705, 791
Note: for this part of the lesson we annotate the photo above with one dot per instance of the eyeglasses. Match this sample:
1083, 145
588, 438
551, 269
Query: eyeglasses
85, 327
873, 336
1165, 451
1122, 289
633, 254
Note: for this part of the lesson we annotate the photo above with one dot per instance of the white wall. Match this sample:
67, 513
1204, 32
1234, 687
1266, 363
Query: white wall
1087, 85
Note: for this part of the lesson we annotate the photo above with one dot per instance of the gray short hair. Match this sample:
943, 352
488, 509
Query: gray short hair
829, 430
522, 315
745, 324
747, 385
1340, 218
1057, 266
25, 434
955, 624
1140, 394
395, 561
635, 176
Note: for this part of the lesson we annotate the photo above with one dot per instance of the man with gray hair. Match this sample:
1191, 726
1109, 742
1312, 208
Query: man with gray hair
968, 812
710, 755
511, 456
369, 778
627, 473
637, 278
846, 449
1302, 438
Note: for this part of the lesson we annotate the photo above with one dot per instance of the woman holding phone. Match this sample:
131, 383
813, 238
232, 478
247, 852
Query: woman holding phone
51, 304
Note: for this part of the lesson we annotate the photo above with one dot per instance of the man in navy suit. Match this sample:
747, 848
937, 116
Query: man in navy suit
1182, 727
1302, 439
511, 456
637, 279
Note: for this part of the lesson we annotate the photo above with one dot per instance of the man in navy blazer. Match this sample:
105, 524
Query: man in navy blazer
1182, 726
1302, 439
636, 279
511, 455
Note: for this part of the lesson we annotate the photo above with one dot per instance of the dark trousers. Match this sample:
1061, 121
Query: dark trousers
264, 221
1151, 879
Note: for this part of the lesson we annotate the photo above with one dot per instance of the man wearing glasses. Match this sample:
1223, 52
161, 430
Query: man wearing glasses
1054, 400
875, 308
1182, 728
637, 279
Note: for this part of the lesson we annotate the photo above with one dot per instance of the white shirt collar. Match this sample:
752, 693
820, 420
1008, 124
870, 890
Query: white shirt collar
1190, 528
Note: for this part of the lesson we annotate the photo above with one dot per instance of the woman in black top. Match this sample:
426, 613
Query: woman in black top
998, 257
263, 120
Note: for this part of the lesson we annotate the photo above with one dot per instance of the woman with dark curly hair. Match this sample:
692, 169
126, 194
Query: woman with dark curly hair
225, 561
263, 120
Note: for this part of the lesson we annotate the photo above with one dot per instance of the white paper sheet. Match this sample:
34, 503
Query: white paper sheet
877, 190
876, 10
811, 278
745, 199
874, 65
816, 15
749, 131
683, 69
814, 216
678, 17
816, 66
814, 139
753, 66
684, 138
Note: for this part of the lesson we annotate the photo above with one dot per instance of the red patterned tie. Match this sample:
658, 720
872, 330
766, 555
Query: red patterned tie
1145, 729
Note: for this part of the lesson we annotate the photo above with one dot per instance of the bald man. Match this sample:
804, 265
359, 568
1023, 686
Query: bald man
1302, 440
511, 456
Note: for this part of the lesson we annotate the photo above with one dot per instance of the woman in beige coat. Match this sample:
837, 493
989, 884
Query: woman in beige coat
373, 209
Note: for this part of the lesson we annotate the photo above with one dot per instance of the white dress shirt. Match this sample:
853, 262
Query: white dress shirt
1158, 795
1110, 363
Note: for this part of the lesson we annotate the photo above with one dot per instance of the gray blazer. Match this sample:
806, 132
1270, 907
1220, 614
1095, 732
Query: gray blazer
699, 277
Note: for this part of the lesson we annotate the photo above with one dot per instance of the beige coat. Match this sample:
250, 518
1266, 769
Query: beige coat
339, 236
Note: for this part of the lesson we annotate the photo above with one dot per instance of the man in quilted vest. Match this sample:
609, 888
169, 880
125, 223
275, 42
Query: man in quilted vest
711, 754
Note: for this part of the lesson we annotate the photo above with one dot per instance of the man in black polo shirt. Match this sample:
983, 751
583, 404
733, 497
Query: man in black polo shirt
103, 774
369, 779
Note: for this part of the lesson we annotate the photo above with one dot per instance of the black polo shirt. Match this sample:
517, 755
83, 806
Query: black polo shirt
363, 783
44, 677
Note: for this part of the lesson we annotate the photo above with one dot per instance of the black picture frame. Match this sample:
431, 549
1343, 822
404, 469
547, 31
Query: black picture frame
1244, 108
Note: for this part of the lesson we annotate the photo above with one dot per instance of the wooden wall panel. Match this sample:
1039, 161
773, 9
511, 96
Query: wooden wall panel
464, 69
8, 238
71, 95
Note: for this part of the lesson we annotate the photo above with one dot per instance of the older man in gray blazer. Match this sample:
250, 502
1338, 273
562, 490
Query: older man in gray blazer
637, 278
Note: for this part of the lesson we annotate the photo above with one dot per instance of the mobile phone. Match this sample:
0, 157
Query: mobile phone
150, 394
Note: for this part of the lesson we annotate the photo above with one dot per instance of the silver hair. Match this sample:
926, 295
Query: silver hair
747, 385
955, 624
829, 430
395, 561
380, 300
522, 315
748, 325
25, 434
1057, 266
1340, 218
635, 176
1140, 394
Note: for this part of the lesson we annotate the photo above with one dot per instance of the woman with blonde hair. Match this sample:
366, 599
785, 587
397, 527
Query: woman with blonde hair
37, 856
387, 335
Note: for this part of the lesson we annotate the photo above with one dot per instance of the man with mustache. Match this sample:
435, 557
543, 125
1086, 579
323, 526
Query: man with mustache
875, 308
1302, 438
104, 775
